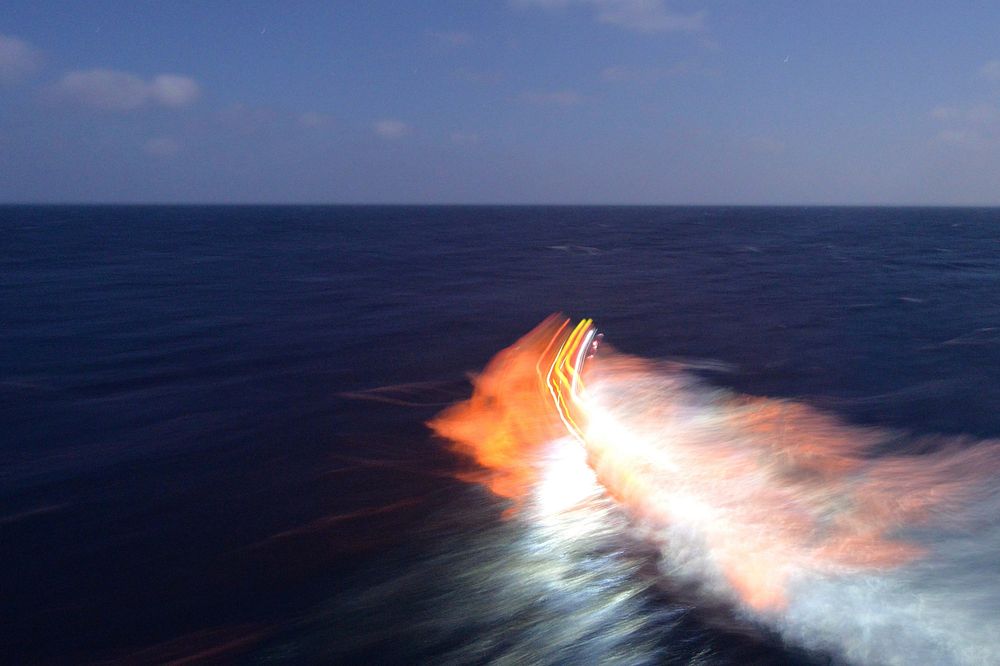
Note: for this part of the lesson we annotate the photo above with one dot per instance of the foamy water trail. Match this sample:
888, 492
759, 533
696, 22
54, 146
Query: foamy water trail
791, 517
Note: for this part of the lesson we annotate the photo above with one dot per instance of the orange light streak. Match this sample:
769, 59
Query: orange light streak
768, 490
509, 415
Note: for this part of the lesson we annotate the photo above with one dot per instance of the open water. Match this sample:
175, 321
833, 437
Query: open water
213, 440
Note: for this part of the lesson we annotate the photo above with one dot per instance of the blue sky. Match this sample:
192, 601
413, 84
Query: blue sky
513, 101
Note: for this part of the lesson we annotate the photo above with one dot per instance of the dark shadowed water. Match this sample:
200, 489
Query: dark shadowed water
211, 418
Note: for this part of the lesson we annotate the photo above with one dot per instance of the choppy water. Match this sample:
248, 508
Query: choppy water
213, 436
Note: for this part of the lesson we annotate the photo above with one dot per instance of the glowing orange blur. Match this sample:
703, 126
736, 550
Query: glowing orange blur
763, 491
510, 414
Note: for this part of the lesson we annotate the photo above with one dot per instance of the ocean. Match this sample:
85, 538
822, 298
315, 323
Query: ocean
215, 441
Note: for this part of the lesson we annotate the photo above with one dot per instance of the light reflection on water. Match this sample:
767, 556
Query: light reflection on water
780, 512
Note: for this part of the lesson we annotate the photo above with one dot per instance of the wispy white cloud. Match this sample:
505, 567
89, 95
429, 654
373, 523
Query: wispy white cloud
945, 113
619, 73
18, 59
968, 126
174, 90
990, 71
103, 89
452, 38
648, 16
626, 74
545, 4
161, 146
314, 119
552, 98
971, 125
965, 138
976, 114
390, 129
112, 90
982, 113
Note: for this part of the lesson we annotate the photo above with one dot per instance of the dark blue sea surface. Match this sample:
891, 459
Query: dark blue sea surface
212, 438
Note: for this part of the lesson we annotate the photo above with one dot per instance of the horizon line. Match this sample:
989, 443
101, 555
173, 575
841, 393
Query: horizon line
11, 204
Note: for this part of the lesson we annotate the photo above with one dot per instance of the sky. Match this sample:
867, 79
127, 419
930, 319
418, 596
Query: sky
501, 101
